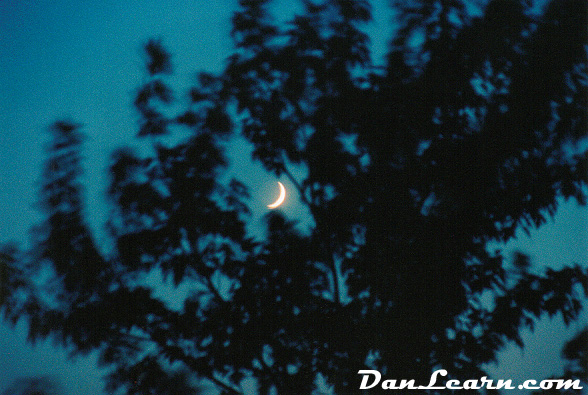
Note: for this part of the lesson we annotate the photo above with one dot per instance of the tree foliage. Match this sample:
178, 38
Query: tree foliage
471, 130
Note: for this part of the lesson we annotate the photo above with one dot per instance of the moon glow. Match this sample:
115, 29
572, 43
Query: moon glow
281, 198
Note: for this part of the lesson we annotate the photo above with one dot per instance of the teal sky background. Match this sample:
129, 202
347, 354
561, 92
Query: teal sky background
83, 61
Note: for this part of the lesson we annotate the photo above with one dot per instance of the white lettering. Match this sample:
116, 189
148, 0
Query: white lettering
471, 385
529, 383
436, 373
404, 384
453, 385
389, 385
546, 384
400, 384
567, 384
487, 382
507, 384
364, 380
407, 384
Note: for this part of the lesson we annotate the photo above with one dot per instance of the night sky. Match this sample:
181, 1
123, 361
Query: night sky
63, 60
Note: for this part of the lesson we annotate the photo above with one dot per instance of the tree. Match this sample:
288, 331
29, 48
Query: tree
472, 130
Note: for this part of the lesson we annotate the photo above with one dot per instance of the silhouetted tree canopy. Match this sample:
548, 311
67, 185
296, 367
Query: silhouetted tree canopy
472, 129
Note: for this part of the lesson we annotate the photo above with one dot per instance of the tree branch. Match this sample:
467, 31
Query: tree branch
198, 365
294, 181
336, 291
213, 289
332, 265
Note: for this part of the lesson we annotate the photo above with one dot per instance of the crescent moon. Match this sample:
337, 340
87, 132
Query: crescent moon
281, 198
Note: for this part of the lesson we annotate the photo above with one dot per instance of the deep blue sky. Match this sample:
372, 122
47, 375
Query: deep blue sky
62, 59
